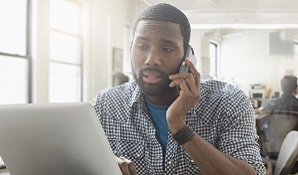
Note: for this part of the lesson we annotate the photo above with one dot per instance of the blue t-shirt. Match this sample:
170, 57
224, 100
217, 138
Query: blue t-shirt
158, 117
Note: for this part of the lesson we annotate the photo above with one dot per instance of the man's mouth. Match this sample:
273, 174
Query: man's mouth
151, 77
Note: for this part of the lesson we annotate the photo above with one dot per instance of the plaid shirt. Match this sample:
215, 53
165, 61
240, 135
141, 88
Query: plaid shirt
223, 117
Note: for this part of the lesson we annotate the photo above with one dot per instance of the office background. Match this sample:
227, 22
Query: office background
65, 50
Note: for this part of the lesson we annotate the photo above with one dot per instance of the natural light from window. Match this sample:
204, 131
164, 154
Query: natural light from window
13, 26
13, 88
13, 56
65, 52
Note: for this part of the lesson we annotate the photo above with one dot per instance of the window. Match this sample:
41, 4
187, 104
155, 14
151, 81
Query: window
213, 52
15, 52
65, 51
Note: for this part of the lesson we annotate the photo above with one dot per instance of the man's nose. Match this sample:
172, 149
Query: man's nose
153, 57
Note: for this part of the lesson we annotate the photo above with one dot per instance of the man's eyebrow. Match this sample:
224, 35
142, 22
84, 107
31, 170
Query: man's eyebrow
142, 38
167, 41
162, 40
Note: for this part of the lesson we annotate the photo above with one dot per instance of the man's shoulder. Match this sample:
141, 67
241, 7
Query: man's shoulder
224, 93
127, 87
127, 90
219, 87
116, 101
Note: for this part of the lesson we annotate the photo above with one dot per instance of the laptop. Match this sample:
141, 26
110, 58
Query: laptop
54, 139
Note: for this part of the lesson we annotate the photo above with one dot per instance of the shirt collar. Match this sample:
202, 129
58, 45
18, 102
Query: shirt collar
137, 96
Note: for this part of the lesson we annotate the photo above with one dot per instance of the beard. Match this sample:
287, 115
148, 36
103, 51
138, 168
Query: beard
153, 89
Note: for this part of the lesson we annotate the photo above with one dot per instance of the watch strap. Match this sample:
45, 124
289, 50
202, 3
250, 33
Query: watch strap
184, 135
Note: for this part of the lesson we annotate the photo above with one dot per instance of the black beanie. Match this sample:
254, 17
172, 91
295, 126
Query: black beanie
288, 84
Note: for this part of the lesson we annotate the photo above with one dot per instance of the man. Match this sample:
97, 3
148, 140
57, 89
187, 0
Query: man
288, 100
167, 122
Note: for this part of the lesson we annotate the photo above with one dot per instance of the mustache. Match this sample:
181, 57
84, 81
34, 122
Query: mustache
153, 69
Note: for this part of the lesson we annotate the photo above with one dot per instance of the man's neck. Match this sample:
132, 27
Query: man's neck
164, 99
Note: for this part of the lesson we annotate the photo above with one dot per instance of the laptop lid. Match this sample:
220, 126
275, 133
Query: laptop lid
57, 138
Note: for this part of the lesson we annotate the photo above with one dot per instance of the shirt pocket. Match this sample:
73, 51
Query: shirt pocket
130, 149
193, 168
188, 166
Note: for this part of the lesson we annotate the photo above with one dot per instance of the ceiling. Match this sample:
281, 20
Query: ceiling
237, 13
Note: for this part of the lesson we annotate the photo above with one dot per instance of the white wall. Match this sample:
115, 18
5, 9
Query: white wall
196, 43
107, 20
245, 59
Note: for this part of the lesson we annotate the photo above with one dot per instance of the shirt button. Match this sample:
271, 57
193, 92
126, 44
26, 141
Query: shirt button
158, 156
115, 152
192, 161
138, 155
169, 162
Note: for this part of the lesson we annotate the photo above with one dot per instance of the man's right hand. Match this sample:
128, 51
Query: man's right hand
127, 167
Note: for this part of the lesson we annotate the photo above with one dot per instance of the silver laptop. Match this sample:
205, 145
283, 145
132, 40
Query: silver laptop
54, 139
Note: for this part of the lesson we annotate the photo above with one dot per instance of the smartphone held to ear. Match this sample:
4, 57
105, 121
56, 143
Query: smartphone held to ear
191, 55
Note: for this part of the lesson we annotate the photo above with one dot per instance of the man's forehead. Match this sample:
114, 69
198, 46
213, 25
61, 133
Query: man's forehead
166, 28
157, 23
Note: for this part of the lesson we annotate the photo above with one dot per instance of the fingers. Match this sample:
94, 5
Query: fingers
187, 81
194, 71
127, 167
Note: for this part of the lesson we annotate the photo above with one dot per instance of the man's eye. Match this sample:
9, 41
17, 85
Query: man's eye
167, 49
141, 46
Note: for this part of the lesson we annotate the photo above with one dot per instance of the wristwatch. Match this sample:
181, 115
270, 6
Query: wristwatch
184, 135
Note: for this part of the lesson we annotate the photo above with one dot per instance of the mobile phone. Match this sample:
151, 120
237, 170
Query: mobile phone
191, 55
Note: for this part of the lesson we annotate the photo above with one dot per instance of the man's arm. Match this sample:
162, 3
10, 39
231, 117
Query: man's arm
210, 160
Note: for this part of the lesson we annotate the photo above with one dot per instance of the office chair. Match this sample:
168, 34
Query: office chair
288, 154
